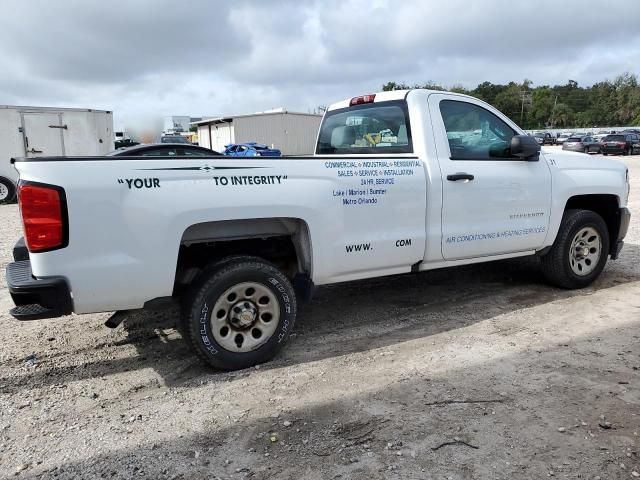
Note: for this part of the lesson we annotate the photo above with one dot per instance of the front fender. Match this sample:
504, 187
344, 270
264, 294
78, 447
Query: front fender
577, 174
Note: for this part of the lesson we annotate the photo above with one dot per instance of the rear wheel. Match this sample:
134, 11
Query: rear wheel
240, 313
579, 252
7, 190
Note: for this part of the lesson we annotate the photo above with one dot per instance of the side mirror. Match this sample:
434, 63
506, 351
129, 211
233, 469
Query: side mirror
525, 147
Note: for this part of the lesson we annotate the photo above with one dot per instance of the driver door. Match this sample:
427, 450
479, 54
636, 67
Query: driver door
492, 203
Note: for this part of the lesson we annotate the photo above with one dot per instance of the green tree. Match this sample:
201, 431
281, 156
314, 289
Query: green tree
562, 115
606, 103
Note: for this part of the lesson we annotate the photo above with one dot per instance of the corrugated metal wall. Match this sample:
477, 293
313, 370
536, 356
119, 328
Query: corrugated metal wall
221, 134
203, 136
293, 134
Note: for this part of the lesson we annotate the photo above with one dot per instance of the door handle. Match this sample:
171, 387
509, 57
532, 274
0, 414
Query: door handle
460, 176
33, 150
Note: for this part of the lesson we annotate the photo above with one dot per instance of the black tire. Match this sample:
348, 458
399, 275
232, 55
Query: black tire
586, 150
7, 190
199, 307
627, 151
605, 154
556, 265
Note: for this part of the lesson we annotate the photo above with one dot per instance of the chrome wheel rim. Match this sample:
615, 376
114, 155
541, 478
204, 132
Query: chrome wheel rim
245, 317
586, 249
4, 192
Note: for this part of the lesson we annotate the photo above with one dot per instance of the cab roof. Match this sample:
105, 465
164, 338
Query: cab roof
389, 96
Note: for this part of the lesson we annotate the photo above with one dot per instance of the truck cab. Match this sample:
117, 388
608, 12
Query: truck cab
482, 198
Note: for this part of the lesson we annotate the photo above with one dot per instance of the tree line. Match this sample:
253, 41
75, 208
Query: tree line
606, 103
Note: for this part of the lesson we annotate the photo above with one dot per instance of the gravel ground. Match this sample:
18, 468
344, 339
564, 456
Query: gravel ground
474, 372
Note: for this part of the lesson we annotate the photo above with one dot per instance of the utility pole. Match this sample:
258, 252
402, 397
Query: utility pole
555, 102
529, 99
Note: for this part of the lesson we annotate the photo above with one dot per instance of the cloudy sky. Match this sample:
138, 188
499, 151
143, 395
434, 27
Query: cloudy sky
146, 58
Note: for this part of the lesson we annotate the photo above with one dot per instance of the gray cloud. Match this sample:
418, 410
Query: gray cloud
156, 57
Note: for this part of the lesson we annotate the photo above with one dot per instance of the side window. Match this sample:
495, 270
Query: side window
194, 152
475, 133
160, 152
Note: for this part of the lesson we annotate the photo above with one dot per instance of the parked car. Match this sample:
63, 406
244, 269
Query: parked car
544, 138
110, 234
563, 137
251, 149
164, 150
620, 144
174, 139
585, 144
125, 143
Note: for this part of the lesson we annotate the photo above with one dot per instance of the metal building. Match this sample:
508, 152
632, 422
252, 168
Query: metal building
177, 123
293, 133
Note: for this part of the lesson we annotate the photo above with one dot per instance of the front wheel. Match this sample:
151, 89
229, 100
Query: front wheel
7, 190
579, 252
240, 313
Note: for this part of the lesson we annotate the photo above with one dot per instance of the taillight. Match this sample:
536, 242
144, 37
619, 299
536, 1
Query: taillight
362, 99
44, 216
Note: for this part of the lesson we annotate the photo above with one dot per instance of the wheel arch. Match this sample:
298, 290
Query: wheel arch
285, 241
605, 205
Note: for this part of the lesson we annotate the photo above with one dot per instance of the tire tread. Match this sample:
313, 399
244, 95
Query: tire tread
207, 279
554, 266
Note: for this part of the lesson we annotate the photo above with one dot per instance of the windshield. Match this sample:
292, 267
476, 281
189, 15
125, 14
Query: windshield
370, 128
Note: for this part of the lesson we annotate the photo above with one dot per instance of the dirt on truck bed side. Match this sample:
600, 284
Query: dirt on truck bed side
479, 372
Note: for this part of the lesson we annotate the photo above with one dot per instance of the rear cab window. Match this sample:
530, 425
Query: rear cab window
614, 138
373, 128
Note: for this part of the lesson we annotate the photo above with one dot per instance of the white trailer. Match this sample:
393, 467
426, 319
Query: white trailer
49, 131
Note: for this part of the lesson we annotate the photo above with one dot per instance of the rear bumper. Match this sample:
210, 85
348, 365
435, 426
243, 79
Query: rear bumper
625, 219
37, 298
573, 148
612, 150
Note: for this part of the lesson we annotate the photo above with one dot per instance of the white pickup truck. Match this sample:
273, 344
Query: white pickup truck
401, 182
